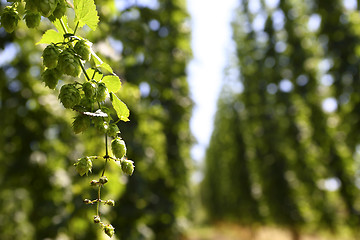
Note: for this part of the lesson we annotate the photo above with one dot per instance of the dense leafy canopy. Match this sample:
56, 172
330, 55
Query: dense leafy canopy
285, 147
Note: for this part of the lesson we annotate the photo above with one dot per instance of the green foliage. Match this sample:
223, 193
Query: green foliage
85, 12
275, 144
121, 109
152, 203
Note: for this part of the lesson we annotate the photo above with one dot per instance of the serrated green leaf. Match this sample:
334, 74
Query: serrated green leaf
112, 82
100, 63
85, 13
51, 36
97, 77
121, 109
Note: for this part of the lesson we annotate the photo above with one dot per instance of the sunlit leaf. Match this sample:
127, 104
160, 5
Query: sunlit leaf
112, 82
121, 109
85, 13
51, 36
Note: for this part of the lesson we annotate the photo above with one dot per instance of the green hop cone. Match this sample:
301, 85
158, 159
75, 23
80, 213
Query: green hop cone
101, 92
9, 19
32, 19
46, 7
101, 124
83, 165
69, 95
87, 103
118, 148
82, 48
50, 77
113, 130
31, 5
69, 63
80, 124
60, 9
109, 230
127, 166
89, 89
50, 56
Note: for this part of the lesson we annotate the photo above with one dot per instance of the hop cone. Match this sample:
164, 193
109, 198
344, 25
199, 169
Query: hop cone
118, 148
101, 92
32, 19
50, 77
47, 7
69, 63
83, 165
81, 123
109, 230
50, 56
82, 48
60, 9
113, 130
127, 166
9, 19
69, 96
89, 89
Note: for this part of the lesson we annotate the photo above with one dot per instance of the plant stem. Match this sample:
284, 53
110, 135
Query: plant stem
63, 26
83, 69
98, 203
77, 24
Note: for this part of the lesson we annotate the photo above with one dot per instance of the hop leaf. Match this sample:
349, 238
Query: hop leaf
81, 123
32, 19
50, 56
9, 19
50, 77
85, 13
82, 48
101, 92
118, 148
69, 95
109, 230
46, 7
127, 166
83, 165
69, 63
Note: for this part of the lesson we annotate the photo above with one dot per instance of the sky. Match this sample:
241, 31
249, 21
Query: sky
211, 45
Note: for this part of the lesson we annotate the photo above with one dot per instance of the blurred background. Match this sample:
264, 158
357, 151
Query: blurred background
245, 121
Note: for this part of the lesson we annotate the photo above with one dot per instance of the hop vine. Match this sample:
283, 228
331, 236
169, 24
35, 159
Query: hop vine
67, 54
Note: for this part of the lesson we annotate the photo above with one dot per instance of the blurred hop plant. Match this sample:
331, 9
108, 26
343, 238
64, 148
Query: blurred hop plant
9, 19
67, 53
